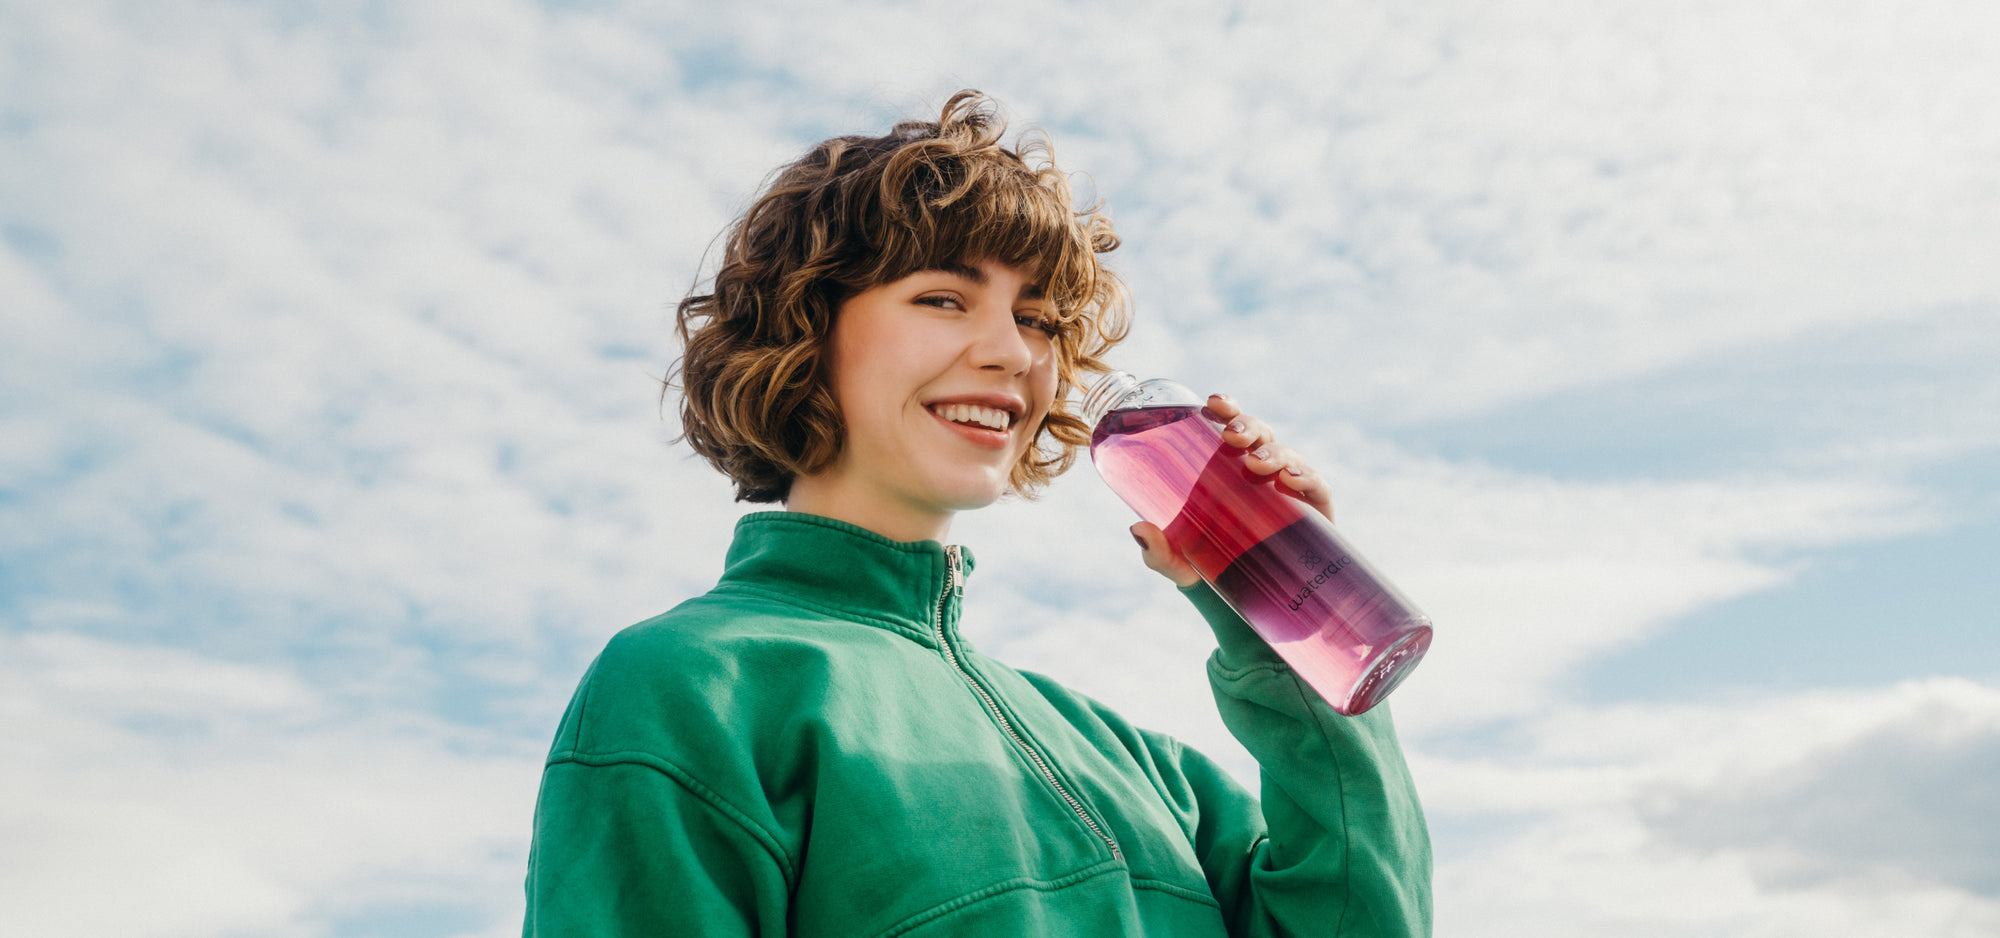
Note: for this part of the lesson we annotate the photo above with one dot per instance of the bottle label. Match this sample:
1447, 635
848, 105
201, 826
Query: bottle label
1312, 559
1299, 581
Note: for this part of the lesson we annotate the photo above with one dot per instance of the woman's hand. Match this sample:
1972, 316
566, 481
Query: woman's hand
1265, 457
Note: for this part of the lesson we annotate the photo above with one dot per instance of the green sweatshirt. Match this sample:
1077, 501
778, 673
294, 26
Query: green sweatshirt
813, 749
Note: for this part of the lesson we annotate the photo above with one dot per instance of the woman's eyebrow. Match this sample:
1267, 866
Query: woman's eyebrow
969, 272
1031, 291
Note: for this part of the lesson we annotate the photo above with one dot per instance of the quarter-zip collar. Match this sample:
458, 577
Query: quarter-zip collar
848, 571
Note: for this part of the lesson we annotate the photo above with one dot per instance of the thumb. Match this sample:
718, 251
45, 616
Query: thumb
1160, 556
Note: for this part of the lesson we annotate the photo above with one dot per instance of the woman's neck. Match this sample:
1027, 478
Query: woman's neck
863, 507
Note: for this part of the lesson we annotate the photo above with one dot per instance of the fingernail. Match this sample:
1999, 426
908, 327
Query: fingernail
1294, 470
1139, 540
1262, 452
1236, 426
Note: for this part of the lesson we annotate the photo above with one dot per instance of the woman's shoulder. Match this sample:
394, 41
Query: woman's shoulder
727, 632
720, 690
687, 681
723, 662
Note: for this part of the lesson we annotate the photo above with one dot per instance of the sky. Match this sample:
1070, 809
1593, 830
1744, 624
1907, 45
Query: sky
1650, 348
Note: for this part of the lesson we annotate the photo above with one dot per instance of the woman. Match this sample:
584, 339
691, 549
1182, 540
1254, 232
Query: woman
811, 748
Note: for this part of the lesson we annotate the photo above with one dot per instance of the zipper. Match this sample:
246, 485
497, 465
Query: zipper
955, 586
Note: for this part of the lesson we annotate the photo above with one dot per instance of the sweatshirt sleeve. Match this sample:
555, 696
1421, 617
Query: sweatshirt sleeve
630, 848
1339, 847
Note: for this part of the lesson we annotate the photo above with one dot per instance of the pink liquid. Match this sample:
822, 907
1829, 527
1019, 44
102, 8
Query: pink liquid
1342, 627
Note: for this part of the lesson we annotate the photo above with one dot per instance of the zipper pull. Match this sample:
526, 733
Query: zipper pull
955, 570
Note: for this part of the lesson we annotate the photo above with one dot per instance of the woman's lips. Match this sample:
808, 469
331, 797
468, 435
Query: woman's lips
976, 435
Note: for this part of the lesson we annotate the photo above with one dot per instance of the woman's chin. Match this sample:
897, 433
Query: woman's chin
973, 501
975, 493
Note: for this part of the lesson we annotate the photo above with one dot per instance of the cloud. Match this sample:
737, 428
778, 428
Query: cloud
1884, 399
1772, 816
322, 356
157, 792
1898, 802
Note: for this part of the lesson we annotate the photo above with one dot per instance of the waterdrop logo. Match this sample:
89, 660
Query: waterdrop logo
1311, 559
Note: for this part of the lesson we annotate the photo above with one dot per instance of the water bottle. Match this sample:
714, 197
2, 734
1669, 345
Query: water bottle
1343, 628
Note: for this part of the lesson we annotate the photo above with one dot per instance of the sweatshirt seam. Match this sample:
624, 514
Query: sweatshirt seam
832, 524
1233, 673
702, 793
575, 724
907, 628
960, 903
1173, 889
1190, 823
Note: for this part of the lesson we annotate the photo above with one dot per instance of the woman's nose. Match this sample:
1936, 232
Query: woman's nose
999, 345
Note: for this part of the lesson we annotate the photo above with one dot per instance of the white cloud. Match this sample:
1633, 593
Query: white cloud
1743, 817
156, 792
374, 340
1901, 799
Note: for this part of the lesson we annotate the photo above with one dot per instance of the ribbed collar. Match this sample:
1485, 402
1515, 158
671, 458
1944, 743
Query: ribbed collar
838, 568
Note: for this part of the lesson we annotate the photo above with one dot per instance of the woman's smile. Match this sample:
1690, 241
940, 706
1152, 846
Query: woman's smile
985, 421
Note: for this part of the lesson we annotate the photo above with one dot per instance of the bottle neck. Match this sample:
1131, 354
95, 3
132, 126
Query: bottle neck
1118, 390
1105, 394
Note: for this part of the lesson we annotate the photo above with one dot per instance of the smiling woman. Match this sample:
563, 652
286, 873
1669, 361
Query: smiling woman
811, 747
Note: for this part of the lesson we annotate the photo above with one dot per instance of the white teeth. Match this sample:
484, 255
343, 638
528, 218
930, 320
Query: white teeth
990, 417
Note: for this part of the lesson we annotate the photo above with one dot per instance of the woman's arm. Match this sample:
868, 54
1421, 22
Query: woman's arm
1337, 845
630, 848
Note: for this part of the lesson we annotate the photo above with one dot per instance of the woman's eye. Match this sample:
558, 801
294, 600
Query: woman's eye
1036, 321
941, 301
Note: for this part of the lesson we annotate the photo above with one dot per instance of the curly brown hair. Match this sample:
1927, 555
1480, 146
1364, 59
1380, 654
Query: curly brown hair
857, 212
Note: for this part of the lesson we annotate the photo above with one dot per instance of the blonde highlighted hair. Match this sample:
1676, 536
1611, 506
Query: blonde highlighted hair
857, 212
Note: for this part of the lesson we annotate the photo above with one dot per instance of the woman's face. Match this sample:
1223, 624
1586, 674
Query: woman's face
942, 378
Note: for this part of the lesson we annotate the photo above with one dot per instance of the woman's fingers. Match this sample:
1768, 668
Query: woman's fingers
1262, 455
1309, 486
1292, 474
1271, 457
1246, 432
1265, 456
1160, 557
1222, 407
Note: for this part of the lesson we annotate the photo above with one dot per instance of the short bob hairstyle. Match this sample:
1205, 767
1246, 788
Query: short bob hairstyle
857, 212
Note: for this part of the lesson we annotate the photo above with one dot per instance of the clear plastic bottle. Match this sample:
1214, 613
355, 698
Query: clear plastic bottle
1281, 565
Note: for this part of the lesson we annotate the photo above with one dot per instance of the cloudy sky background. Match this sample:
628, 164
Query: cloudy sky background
1651, 348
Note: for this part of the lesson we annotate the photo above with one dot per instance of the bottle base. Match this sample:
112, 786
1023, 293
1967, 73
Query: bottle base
1390, 668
